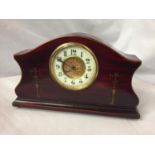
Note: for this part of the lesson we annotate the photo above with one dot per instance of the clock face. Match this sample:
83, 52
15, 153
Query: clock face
73, 66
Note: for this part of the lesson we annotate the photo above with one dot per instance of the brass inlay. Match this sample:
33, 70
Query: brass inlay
115, 83
74, 67
35, 73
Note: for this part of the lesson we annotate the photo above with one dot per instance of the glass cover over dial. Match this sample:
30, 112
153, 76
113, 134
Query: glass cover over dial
73, 66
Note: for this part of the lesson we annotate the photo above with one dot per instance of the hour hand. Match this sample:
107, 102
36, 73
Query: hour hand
60, 60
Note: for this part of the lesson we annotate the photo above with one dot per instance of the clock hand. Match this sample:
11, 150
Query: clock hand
60, 60
72, 67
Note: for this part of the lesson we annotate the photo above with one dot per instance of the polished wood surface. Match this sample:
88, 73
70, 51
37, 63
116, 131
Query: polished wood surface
110, 94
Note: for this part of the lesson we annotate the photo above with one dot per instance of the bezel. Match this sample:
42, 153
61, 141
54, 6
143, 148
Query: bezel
52, 70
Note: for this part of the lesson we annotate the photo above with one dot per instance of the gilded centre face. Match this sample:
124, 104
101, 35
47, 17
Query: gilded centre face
73, 66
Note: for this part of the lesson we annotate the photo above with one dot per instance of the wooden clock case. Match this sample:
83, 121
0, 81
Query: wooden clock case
111, 93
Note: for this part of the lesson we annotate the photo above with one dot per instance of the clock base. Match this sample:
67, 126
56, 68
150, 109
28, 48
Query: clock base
126, 112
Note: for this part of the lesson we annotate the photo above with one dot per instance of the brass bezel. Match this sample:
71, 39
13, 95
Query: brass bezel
52, 72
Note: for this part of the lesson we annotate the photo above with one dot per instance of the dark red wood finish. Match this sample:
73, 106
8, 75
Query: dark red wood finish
37, 89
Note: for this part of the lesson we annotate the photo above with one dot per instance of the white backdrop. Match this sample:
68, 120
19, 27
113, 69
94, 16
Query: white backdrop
129, 36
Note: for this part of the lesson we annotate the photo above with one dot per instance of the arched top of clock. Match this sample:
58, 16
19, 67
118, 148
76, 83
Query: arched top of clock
88, 40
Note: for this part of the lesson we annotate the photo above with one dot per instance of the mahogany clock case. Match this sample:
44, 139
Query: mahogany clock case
110, 94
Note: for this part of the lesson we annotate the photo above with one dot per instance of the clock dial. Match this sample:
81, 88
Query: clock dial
73, 66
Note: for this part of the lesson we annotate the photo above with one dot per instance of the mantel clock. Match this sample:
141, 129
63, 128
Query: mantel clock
77, 73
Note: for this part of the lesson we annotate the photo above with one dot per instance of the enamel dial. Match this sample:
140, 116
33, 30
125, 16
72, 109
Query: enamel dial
73, 66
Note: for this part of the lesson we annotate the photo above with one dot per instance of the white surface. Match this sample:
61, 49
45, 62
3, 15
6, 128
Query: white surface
30, 121
130, 36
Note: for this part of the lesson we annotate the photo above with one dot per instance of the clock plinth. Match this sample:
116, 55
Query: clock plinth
72, 107
109, 93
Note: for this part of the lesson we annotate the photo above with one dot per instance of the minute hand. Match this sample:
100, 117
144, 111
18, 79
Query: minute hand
60, 60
